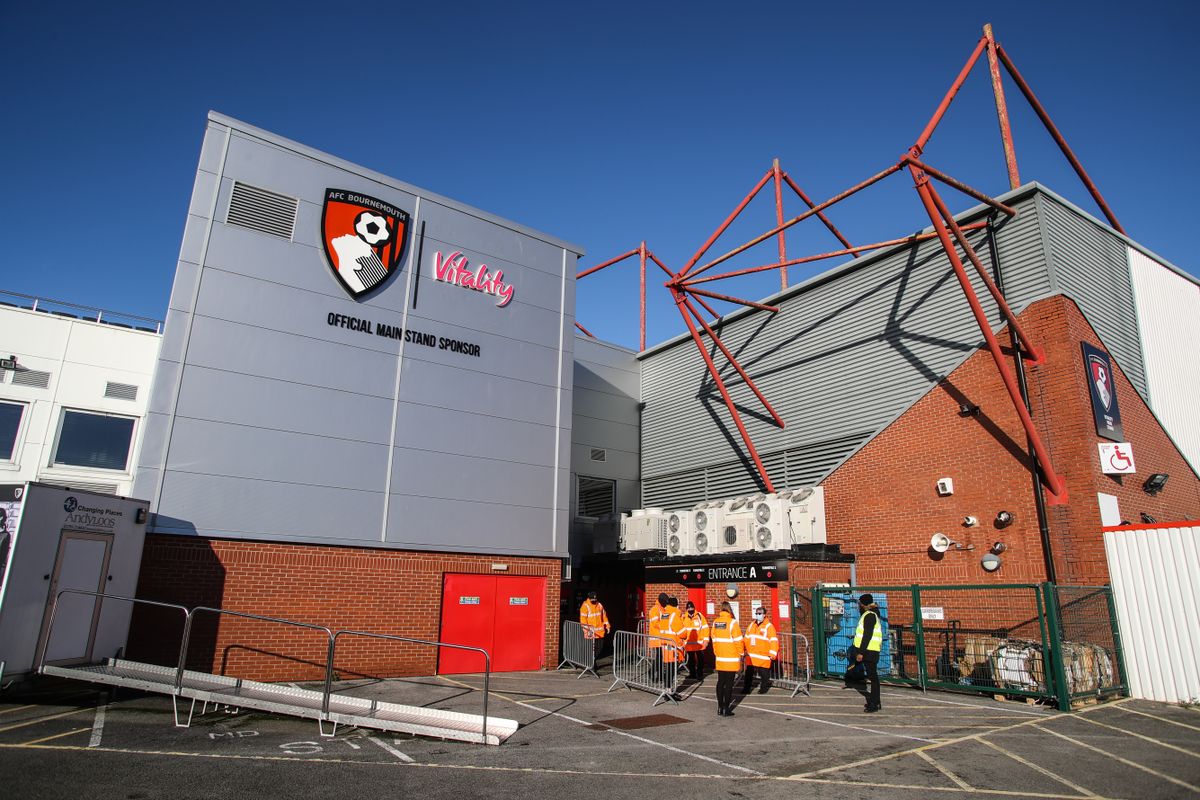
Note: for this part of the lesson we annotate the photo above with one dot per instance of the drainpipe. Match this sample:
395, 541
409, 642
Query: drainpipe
1039, 499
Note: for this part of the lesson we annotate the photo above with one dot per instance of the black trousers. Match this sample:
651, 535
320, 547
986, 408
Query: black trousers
725, 688
764, 677
695, 664
871, 663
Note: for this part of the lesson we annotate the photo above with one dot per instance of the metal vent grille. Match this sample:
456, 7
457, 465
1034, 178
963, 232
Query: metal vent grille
599, 454
32, 378
90, 486
120, 391
262, 210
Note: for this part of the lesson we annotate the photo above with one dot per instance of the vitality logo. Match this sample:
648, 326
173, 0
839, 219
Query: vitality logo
364, 239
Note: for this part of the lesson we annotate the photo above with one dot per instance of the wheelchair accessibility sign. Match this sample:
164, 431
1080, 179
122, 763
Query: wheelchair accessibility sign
1116, 458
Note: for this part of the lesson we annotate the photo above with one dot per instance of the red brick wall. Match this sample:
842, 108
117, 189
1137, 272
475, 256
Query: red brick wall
882, 504
380, 591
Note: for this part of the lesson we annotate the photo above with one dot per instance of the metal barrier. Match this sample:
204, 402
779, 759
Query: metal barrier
637, 665
487, 668
578, 648
793, 669
175, 680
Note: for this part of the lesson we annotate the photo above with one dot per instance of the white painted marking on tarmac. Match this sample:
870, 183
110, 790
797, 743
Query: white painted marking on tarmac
399, 756
828, 722
98, 723
1125, 761
997, 707
1158, 742
1036, 768
641, 739
957, 780
1160, 719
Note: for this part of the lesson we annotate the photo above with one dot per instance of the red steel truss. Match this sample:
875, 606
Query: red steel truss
683, 283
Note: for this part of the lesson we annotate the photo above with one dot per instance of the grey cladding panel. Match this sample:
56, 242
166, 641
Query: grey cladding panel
1092, 268
284, 405
470, 526
603, 433
489, 241
429, 428
531, 286
603, 406
214, 448
434, 384
450, 477
217, 505
279, 355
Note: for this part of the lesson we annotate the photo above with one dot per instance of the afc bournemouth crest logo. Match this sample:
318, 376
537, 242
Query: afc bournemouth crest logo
364, 239
1101, 380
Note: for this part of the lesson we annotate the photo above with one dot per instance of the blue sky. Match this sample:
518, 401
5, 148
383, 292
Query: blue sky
603, 124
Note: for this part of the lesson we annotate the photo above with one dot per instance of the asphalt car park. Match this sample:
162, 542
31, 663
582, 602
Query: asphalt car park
579, 738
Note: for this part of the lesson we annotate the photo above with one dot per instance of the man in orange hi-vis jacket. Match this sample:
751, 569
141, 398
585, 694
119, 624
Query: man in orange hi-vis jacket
762, 648
654, 628
728, 648
594, 620
695, 640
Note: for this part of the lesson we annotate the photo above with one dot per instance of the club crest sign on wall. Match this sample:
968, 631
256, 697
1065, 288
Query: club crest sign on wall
364, 239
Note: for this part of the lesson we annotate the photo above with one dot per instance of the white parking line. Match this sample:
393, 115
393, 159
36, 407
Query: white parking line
1160, 719
1158, 742
997, 707
399, 756
98, 723
826, 722
1124, 761
957, 780
1036, 768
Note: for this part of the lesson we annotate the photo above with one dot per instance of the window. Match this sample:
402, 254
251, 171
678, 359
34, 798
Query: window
96, 441
10, 425
596, 496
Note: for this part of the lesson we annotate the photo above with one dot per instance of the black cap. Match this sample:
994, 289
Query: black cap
690, 604
866, 600
662, 599
591, 595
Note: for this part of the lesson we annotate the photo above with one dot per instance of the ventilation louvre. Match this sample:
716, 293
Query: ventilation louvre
32, 378
120, 391
262, 210
599, 454
88, 486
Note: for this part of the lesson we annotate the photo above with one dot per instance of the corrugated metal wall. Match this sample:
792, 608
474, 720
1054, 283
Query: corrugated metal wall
1168, 307
1089, 264
1156, 586
848, 352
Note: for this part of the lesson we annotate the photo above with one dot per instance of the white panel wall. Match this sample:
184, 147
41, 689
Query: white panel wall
1168, 311
82, 357
1156, 584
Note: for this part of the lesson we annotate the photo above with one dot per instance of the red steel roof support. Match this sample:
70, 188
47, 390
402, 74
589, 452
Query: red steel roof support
1054, 484
1006, 137
681, 304
779, 221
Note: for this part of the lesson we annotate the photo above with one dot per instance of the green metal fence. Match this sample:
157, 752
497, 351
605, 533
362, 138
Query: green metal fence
1057, 643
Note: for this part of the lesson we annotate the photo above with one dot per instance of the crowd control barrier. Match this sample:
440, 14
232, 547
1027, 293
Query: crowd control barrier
650, 663
578, 648
793, 669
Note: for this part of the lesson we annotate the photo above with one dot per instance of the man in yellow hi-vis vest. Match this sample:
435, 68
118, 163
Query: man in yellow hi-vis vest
868, 643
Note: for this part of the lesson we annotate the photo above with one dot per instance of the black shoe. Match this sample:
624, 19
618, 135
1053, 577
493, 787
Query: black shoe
764, 688
729, 712
869, 709
720, 711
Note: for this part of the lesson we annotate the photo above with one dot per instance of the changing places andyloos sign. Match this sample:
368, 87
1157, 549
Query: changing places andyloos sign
89, 517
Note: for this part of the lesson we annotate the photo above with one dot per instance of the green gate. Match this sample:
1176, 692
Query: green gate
1057, 643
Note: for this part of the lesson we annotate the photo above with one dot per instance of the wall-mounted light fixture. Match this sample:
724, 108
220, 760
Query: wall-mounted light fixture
967, 409
940, 543
1004, 519
1149, 520
1155, 483
990, 562
970, 521
999, 547
731, 590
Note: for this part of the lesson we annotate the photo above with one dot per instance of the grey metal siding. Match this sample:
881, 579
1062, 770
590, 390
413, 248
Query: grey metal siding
848, 352
1091, 267
287, 428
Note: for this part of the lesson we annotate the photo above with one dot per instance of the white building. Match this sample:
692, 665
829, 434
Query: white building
71, 412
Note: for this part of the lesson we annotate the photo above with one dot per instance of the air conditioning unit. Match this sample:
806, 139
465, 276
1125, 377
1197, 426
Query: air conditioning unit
707, 519
767, 518
733, 535
644, 529
806, 512
680, 536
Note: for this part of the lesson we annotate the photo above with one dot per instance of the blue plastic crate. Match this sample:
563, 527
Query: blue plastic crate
839, 630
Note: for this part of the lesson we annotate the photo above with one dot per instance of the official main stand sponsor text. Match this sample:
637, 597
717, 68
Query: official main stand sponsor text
406, 334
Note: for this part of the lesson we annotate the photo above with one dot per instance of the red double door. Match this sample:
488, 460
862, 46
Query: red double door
503, 614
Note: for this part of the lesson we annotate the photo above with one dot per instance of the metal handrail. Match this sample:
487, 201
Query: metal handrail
99, 312
187, 634
487, 665
41, 656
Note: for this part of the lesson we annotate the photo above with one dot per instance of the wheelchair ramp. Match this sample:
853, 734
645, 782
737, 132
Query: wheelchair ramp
291, 701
